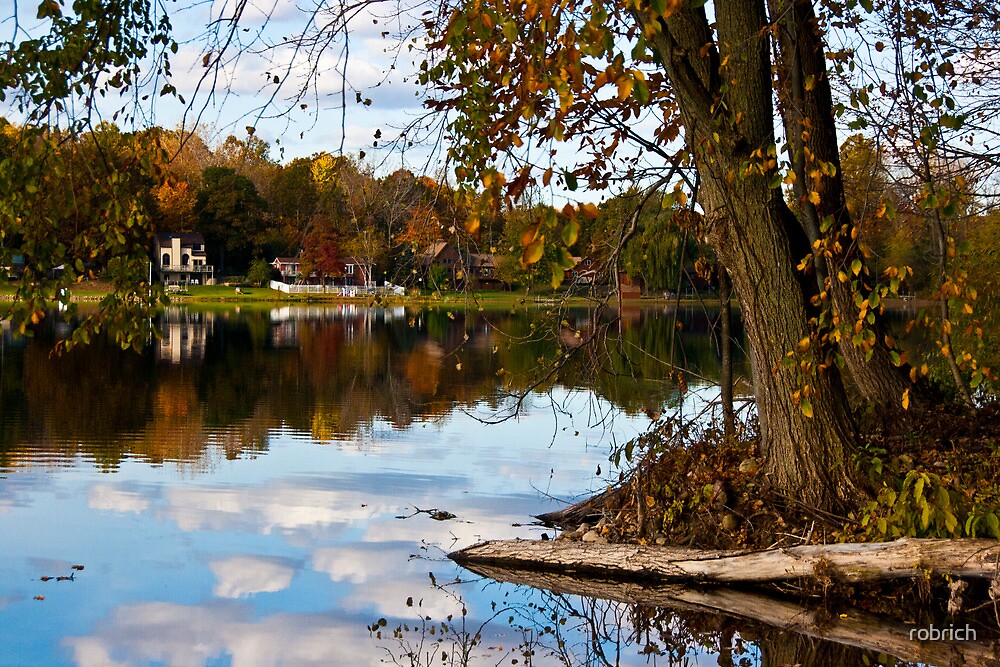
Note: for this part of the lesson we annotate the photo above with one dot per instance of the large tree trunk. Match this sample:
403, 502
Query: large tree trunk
806, 109
806, 430
907, 558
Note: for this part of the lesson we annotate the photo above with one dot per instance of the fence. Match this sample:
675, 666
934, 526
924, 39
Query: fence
337, 290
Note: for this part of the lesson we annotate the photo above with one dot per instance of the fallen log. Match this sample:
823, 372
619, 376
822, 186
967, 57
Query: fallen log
854, 628
906, 558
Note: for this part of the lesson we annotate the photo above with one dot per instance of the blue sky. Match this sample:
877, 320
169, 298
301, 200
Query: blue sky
244, 93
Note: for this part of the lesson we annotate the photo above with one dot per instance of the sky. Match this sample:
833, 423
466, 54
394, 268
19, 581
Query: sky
238, 91
244, 94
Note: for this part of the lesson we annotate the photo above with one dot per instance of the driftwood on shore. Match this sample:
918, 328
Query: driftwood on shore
905, 558
855, 628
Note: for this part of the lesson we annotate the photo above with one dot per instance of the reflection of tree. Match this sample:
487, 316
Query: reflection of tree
604, 623
336, 373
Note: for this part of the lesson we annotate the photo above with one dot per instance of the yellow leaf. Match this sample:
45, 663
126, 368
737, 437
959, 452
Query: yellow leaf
533, 251
529, 234
472, 223
588, 210
906, 400
807, 408
624, 87
458, 366
814, 198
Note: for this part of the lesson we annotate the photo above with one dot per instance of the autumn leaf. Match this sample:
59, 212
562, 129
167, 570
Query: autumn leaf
570, 233
472, 223
533, 251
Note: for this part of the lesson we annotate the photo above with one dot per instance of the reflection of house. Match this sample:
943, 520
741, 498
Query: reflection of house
288, 267
184, 335
181, 259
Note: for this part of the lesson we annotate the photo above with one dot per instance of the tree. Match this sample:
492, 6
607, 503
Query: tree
231, 216
321, 252
260, 272
52, 81
546, 73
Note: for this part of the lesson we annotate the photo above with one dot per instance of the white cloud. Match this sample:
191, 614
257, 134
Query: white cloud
280, 507
114, 498
191, 636
243, 576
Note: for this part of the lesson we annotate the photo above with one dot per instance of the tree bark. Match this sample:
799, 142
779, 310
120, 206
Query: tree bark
806, 428
726, 348
907, 558
856, 628
806, 109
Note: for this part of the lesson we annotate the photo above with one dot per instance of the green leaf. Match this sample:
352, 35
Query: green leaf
571, 182
640, 92
993, 524
570, 233
558, 274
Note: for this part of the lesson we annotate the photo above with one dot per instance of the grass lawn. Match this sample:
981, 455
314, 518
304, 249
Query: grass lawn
94, 290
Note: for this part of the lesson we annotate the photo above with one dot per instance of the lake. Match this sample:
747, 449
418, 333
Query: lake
279, 486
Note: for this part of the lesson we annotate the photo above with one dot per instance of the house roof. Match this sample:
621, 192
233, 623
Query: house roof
286, 260
434, 249
187, 238
482, 260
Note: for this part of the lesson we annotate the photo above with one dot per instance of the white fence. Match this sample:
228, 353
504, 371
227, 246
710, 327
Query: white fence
338, 290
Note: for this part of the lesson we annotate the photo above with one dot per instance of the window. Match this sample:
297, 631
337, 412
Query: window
185, 259
349, 269
165, 260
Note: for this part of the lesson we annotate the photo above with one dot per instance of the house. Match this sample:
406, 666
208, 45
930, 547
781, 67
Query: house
584, 271
16, 267
290, 268
356, 272
483, 268
442, 254
180, 259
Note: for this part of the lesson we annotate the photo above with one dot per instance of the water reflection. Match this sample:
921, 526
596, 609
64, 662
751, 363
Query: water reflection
247, 490
227, 378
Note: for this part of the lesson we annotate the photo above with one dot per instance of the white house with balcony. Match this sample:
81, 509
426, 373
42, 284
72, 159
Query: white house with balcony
181, 260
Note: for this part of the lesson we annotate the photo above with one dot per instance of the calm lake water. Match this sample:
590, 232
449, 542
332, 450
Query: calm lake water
257, 488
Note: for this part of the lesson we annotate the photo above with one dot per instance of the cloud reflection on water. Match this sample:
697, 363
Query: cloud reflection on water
244, 576
191, 636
